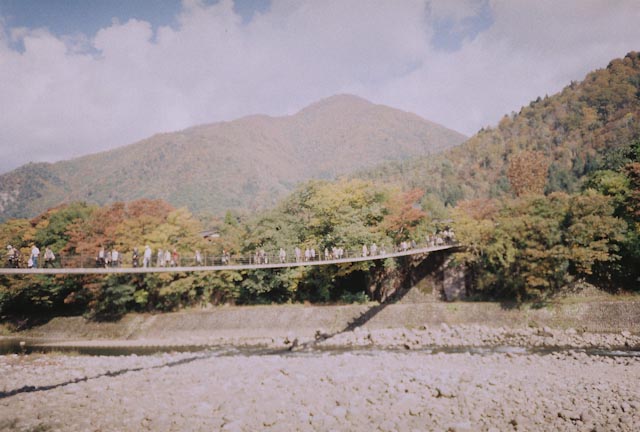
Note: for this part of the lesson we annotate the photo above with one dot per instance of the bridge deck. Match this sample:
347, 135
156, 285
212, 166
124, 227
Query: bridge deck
117, 270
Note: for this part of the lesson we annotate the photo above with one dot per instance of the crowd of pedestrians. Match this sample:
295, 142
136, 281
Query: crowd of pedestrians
169, 257
15, 258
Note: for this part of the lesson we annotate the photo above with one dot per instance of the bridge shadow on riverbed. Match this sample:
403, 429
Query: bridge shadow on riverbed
421, 267
34, 389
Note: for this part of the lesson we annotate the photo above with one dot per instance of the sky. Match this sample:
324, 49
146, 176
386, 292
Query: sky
82, 76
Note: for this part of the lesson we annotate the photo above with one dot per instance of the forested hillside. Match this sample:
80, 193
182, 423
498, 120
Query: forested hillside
586, 126
551, 196
248, 163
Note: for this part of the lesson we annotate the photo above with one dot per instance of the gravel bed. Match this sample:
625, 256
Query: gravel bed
314, 390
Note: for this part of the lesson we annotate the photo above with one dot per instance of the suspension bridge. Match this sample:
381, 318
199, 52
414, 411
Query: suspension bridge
221, 267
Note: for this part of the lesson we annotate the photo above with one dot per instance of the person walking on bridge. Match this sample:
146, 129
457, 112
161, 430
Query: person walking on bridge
12, 256
146, 260
115, 257
49, 257
135, 257
298, 253
35, 253
101, 258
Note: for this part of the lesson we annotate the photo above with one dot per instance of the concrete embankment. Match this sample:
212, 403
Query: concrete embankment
305, 321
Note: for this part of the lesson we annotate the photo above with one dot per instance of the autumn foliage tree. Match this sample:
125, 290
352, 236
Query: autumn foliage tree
404, 213
527, 172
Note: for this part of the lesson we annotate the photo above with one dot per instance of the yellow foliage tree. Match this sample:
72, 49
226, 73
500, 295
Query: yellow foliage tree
527, 172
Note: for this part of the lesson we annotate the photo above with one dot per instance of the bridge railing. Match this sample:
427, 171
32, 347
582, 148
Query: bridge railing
210, 259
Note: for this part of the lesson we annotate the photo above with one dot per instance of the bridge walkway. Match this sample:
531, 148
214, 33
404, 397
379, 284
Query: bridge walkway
254, 266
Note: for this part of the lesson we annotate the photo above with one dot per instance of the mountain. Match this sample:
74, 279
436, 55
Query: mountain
248, 163
587, 126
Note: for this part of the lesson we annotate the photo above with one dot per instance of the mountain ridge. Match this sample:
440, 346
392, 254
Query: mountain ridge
248, 163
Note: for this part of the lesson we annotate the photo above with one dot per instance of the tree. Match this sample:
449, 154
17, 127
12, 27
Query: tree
527, 172
17, 233
474, 224
620, 181
53, 226
403, 214
632, 203
593, 234
533, 246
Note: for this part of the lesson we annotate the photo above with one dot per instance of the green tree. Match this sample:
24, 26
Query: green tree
53, 227
533, 246
593, 234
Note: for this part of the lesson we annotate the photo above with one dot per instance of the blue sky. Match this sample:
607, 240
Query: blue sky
80, 76
64, 17
83, 16
69, 17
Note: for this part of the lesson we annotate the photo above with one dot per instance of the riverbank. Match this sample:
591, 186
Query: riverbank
606, 324
423, 338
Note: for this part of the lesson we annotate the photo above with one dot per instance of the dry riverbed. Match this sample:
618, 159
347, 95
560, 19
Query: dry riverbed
368, 380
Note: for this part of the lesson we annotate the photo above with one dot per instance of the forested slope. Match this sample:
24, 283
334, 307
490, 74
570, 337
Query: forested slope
586, 126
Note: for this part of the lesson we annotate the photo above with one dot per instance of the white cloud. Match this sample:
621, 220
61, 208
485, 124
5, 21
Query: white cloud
66, 96
532, 49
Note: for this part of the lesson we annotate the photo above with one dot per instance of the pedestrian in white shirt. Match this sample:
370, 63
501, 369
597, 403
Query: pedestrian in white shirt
35, 253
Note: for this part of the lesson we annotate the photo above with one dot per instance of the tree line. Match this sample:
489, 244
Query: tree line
526, 247
319, 214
